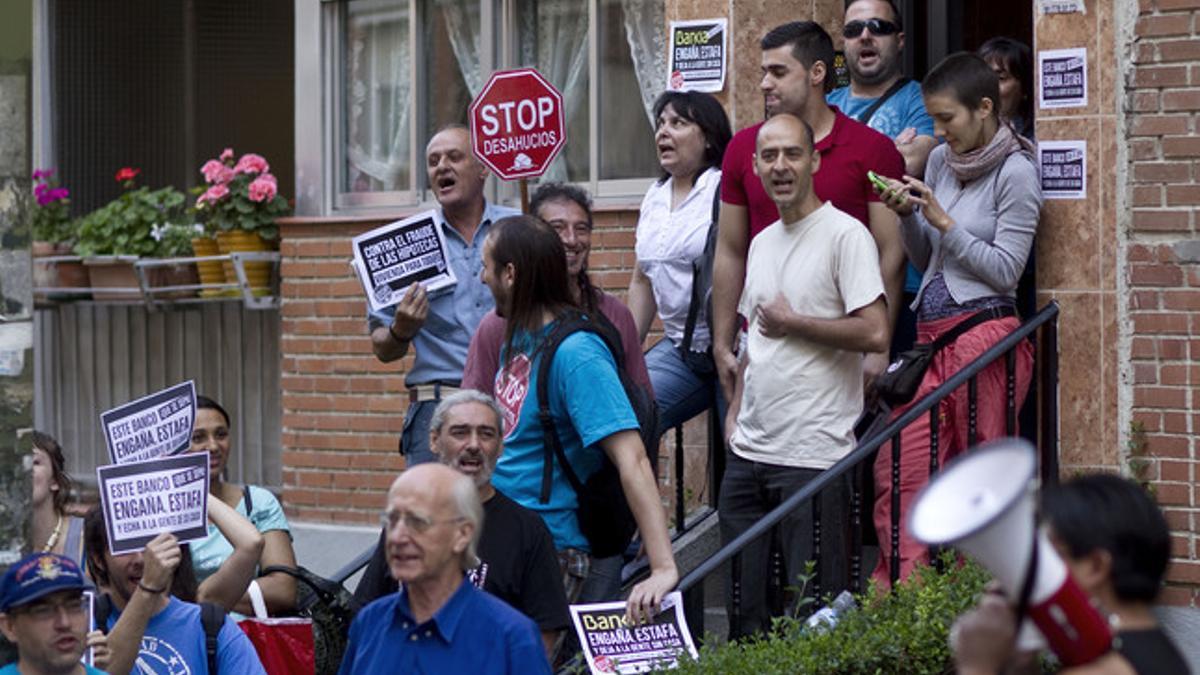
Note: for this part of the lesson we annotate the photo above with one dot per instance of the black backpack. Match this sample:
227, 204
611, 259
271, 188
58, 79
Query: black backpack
212, 617
604, 515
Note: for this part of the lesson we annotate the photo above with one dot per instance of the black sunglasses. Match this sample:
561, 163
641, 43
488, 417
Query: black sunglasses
876, 26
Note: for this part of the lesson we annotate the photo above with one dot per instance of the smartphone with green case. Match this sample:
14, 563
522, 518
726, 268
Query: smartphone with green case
883, 185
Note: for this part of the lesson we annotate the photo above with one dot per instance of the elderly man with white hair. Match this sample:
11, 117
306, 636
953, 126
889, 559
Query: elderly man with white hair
438, 622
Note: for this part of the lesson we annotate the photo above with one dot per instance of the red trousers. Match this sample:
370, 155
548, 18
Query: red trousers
953, 416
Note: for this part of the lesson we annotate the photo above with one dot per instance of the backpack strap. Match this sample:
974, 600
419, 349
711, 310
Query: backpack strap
867, 114
568, 323
249, 501
101, 610
689, 328
213, 618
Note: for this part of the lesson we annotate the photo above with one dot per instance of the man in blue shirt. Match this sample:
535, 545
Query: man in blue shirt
439, 622
524, 264
43, 612
439, 326
874, 40
148, 627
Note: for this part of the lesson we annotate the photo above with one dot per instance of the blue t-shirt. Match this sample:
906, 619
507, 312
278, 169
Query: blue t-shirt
454, 313
588, 404
211, 552
905, 108
173, 644
474, 632
11, 669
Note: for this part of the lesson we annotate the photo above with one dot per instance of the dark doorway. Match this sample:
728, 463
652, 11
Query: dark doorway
936, 28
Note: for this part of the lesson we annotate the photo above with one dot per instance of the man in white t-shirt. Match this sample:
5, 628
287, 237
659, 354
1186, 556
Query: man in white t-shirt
815, 302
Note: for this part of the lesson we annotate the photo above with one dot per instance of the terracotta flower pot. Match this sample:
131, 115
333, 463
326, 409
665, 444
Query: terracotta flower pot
112, 278
58, 274
183, 274
211, 271
258, 274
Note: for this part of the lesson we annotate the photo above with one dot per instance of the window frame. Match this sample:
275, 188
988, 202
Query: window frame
320, 77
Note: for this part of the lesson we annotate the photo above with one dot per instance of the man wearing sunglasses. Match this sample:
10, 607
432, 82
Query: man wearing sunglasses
883, 99
44, 613
879, 95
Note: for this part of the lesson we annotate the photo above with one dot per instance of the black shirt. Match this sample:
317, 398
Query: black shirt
519, 565
1150, 652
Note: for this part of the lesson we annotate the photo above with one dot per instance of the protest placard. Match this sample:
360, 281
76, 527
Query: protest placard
1063, 81
697, 55
140, 500
391, 258
1063, 169
612, 645
157, 425
89, 606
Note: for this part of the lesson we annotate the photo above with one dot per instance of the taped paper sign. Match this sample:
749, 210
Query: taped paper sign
698, 55
1063, 81
612, 645
391, 258
157, 425
144, 499
1063, 169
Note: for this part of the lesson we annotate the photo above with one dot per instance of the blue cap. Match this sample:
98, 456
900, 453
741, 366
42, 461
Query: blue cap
36, 576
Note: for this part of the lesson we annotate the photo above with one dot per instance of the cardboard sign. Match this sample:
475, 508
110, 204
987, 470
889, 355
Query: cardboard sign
157, 425
1063, 169
89, 606
613, 646
391, 258
1063, 81
144, 499
698, 55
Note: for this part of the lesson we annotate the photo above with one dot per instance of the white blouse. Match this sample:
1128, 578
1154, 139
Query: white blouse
667, 244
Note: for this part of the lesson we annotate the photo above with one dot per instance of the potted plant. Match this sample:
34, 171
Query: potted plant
174, 241
240, 203
115, 235
51, 226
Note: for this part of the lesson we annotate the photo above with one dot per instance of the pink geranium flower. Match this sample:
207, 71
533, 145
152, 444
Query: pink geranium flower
226, 155
212, 170
251, 163
263, 188
212, 195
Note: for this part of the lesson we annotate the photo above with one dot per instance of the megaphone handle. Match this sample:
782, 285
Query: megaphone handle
1030, 576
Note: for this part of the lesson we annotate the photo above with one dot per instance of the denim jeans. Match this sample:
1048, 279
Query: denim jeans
680, 393
749, 491
603, 582
414, 441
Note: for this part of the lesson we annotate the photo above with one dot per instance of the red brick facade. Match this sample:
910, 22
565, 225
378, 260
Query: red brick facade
1163, 264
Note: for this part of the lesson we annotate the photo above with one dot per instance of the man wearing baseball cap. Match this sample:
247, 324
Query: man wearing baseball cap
44, 613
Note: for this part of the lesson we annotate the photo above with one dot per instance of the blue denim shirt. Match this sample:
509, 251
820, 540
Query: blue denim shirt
474, 632
455, 311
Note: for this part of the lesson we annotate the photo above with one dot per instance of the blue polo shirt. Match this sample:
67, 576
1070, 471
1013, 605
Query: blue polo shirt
455, 312
474, 632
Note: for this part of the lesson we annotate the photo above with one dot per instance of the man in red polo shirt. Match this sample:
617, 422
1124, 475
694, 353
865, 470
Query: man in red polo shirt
797, 65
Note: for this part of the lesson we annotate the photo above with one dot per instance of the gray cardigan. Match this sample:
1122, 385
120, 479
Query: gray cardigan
995, 217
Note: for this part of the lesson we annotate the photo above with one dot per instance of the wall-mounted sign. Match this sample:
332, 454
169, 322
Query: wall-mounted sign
1061, 6
391, 258
698, 55
612, 645
1063, 168
144, 499
157, 425
1063, 81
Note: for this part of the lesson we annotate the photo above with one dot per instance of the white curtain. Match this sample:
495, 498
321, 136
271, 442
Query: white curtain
378, 93
554, 37
463, 24
645, 28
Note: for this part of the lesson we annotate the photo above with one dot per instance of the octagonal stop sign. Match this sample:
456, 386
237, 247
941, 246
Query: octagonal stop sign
517, 123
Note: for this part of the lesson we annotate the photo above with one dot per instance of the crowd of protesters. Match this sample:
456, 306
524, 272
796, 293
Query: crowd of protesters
818, 276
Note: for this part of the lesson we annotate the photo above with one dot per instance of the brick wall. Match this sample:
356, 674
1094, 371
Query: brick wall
343, 410
1163, 269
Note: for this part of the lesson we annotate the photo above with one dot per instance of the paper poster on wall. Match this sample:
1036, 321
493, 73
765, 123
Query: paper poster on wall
157, 425
144, 499
1063, 168
1063, 81
391, 258
1061, 6
612, 645
698, 55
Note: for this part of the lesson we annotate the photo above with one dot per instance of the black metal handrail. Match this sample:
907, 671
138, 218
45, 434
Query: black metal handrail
864, 450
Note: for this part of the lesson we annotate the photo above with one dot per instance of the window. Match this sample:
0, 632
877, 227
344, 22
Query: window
400, 69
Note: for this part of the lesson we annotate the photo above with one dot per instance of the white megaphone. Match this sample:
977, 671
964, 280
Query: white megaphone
983, 505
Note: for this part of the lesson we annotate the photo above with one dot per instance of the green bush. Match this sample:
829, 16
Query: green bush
904, 631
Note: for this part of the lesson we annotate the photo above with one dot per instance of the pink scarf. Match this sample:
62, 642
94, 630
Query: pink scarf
971, 165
